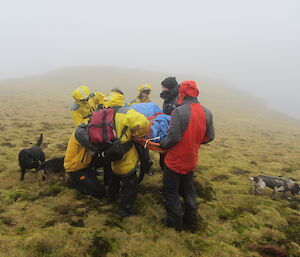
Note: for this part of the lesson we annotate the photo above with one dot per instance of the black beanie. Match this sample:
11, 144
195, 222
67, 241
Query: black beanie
169, 82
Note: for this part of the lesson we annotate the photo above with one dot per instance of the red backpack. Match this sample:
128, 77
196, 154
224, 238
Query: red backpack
102, 126
100, 135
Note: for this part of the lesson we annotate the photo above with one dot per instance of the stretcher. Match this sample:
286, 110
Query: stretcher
148, 141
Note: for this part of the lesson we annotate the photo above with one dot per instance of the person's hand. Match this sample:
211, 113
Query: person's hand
161, 144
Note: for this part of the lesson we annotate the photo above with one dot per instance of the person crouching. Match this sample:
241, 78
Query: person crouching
124, 178
81, 175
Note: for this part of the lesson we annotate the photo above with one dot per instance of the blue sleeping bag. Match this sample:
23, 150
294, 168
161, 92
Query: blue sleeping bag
159, 127
148, 109
161, 122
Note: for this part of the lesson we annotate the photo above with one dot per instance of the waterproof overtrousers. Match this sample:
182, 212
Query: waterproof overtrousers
176, 185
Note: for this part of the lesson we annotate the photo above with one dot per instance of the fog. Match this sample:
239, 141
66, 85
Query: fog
251, 45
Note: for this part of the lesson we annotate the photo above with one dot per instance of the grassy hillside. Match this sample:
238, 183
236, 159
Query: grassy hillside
52, 220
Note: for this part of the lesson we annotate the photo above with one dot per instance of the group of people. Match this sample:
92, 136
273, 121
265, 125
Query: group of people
191, 125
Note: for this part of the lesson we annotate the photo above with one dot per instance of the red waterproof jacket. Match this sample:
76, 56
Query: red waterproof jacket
191, 125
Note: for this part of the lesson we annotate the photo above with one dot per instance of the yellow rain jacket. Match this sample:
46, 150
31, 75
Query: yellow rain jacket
77, 157
83, 106
114, 99
99, 99
140, 98
135, 121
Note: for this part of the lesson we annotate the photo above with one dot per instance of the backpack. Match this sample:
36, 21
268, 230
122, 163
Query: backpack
100, 136
102, 126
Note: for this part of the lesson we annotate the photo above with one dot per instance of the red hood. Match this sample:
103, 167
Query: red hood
187, 88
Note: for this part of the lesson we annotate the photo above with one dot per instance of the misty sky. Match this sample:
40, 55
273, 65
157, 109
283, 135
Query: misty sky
253, 45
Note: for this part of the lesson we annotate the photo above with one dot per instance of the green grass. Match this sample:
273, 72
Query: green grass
52, 220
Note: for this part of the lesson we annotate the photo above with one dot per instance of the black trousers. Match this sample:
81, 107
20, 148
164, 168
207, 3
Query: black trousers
176, 185
86, 182
145, 158
128, 185
161, 161
98, 162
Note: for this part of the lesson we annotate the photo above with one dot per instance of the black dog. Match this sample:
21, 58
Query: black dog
31, 158
55, 165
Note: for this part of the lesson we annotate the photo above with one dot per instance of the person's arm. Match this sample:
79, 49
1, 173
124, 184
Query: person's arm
77, 118
210, 130
137, 122
76, 156
71, 154
168, 108
169, 105
175, 131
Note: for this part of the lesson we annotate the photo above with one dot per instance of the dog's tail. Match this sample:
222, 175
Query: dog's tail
40, 140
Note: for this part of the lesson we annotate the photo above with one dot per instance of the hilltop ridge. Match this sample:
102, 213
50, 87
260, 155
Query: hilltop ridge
216, 94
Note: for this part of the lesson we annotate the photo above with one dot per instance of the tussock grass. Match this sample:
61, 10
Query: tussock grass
53, 220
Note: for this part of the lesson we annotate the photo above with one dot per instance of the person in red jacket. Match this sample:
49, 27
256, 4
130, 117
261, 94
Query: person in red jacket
191, 125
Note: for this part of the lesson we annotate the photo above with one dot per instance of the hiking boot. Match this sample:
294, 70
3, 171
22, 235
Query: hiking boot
193, 228
111, 199
194, 225
166, 222
69, 182
126, 212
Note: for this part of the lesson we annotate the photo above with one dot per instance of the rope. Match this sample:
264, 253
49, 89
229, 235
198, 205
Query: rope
147, 141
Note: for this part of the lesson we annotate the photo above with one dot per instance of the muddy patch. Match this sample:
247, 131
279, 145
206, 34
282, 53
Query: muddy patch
269, 250
99, 247
220, 178
241, 172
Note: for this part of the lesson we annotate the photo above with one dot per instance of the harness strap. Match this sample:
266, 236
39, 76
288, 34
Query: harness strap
116, 108
123, 131
104, 129
151, 119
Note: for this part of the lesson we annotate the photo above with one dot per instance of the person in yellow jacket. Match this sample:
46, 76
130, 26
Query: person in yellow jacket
125, 170
85, 103
143, 97
77, 165
99, 100
115, 98
143, 94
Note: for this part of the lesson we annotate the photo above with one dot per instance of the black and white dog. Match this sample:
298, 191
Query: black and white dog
31, 158
278, 184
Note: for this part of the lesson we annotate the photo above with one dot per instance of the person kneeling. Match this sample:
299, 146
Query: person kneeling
80, 173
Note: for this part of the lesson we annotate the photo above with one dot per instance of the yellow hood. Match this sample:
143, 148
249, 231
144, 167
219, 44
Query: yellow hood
144, 87
115, 99
81, 93
99, 98
138, 123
